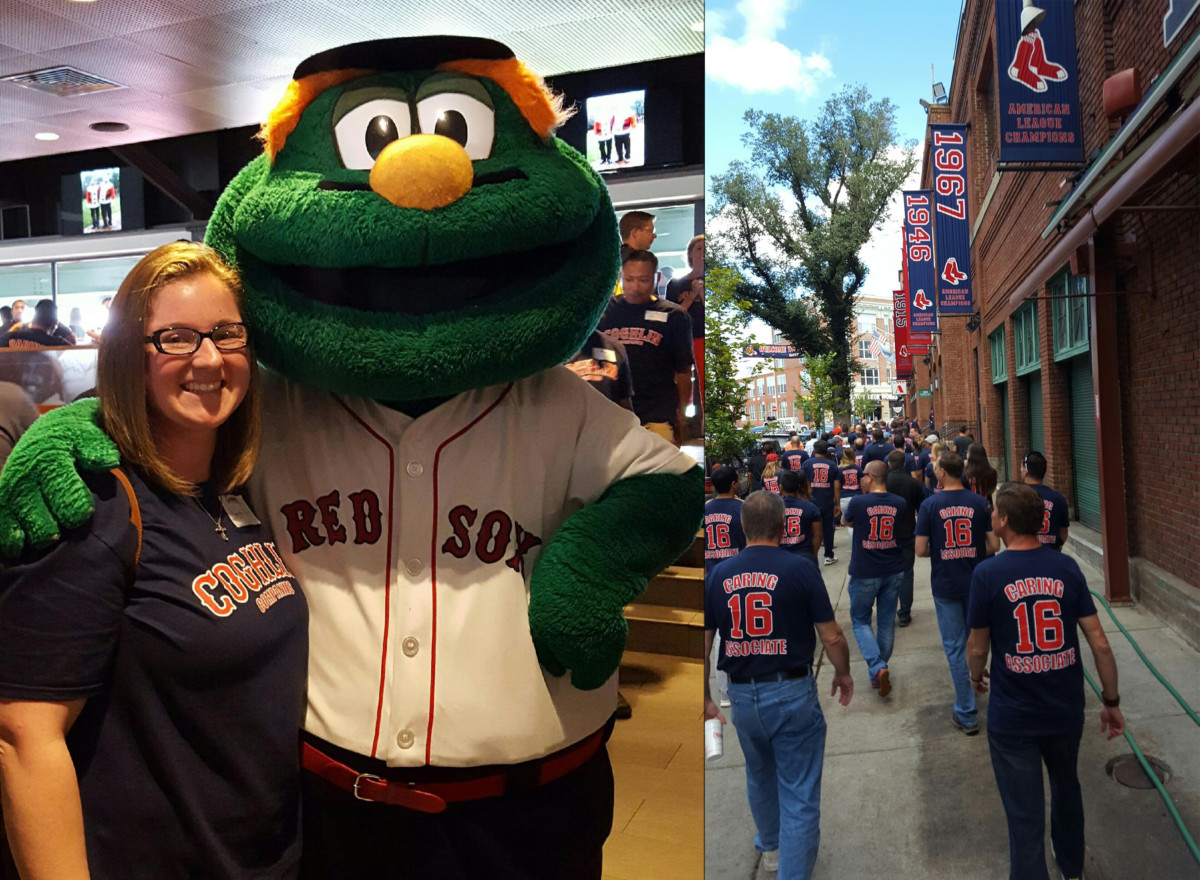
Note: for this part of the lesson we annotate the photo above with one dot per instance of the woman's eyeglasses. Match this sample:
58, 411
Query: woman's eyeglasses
185, 340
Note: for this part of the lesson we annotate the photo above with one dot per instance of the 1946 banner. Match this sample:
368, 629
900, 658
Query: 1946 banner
951, 219
918, 255
1039, 91
918, 341
904, 362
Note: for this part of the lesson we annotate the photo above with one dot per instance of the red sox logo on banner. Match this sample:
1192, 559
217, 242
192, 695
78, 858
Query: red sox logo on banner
1029, 65
951, 274
920, 301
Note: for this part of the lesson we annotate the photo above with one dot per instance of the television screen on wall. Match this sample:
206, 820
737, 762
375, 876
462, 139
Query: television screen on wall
616, 130
101, 198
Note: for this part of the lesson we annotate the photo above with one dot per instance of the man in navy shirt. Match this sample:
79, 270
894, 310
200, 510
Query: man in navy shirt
825, 482
876, 570
723, 536
878, 450
765, 602
1053, 532
955, 531
794, 455
1025, 606
901, 483
802, 527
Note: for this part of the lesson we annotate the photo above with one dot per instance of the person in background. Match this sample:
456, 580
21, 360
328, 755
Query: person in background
637, 233
94, 335
173, 702
1055, 521
825, 480
1027, 607
851, 473
17, 413
75, 324
6, 318
931, 481
802, 529
770, 474
18, 311
978, 475
778, 716
43, 331
794, 455
962, 442
603, 364
901, 483
688, 293
878, 449
723, 538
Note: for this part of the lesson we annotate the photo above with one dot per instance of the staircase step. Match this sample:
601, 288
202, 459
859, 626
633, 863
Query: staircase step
677, 585
660, 629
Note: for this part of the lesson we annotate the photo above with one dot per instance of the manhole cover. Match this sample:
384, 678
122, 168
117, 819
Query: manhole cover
1128, 771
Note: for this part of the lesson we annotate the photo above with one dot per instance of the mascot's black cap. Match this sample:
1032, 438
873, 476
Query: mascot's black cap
403, 53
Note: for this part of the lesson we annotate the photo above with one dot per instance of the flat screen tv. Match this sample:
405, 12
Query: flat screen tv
616, 130
101, 199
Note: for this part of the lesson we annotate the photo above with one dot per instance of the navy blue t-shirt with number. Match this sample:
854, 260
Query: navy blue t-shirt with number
876, 452
798, 518
851, 474
793, 459
822, 474
1032, 600
764, 603
956, 523
876, 551
771, 484
723, 536
658, 341
193, 670
1054, 516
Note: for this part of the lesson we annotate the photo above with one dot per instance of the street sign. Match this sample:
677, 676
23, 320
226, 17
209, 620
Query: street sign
924, 392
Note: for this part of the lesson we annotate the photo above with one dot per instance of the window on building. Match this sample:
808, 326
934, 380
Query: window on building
753, 412
782, 383
864, 349
770, 384
761, 386
866, 323
783, 410
999, 359
1025, 339
871, 376
1070, 316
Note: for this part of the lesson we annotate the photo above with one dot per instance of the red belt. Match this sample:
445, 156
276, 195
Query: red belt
432, 797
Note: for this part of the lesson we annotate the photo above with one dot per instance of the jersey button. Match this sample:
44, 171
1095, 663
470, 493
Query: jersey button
405, 738
410, 646
414, 566
415, 469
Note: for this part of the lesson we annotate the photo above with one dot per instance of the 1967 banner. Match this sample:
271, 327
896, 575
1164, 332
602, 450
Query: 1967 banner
918, 255
951, 219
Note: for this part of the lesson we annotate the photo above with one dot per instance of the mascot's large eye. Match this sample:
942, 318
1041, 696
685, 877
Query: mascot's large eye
461, 118
363, 132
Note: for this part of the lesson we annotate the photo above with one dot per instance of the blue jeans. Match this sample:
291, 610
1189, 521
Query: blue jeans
1017, 763
782, 733
865, 593
952, 623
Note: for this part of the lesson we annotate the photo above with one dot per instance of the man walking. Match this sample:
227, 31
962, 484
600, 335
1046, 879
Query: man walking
1053, 532
900, 482
878, 450
1025, 606
794, 455
723, 537
955, 531
766, 602
876, 570
825, 483
802, 527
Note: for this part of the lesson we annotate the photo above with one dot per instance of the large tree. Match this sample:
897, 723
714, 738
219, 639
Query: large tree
724, 393
795, 216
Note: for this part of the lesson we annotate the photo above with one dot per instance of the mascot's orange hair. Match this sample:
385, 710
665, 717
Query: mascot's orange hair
542, 109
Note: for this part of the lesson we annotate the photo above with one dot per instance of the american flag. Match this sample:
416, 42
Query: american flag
876, 343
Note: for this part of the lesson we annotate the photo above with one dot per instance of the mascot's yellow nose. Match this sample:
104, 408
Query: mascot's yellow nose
422, 171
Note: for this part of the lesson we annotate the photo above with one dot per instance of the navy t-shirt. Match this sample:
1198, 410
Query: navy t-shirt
822, 474
771, 484
1032, 600
186, 750
876, 452
956, 524
1054, 516
851, 474
723, 536
932, 486
876, 551
764, 603
658, 341
793, 459
603, 363
798, 518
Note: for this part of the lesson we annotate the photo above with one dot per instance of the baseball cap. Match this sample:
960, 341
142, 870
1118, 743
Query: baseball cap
932, 438
771, 456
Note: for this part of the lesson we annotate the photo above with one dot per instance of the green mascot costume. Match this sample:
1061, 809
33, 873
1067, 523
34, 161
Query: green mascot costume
467, 518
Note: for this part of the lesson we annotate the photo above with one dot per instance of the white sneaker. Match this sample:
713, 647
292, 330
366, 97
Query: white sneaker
830, 560
724, 703
770, 861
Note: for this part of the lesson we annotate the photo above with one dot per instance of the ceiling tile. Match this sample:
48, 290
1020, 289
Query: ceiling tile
209, 44
287, 28
116, 17
28, 28
131, 64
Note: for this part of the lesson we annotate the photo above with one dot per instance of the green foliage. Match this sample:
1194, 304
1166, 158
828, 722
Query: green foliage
796, 214
863, 405
724, 394
823, 395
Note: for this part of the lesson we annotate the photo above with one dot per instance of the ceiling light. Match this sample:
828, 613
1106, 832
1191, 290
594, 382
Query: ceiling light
109, 126
698, 26
45, 136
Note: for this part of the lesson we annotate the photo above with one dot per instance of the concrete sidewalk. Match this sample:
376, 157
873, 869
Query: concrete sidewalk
906, 796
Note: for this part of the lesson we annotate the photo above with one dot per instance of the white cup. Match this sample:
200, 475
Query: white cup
714, 739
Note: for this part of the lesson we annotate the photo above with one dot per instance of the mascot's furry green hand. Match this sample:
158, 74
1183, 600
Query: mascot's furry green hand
414, 231
40, 489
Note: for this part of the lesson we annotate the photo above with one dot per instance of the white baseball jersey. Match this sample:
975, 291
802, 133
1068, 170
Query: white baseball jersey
414, 541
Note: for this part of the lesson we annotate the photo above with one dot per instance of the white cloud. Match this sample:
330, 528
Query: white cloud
882, 252
757, 62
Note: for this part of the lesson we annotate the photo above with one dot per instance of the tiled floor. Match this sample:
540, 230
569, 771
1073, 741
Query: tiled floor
658, 762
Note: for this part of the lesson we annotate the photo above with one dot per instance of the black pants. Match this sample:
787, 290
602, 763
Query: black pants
622, 146
95, 217
106, 213
555, 832
606, 150
904, 612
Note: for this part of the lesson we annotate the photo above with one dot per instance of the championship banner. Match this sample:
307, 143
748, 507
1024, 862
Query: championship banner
1039, 90
769, 350
953, 267
904, 362
918, 258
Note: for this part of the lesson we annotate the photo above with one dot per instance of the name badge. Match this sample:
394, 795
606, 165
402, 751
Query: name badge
604, 354
239, 511
661, 317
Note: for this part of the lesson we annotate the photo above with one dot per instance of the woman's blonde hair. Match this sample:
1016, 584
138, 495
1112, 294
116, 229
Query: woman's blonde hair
121, 372
769, 470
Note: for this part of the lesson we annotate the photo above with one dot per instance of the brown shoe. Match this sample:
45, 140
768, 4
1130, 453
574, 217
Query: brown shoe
885, 684
624, 710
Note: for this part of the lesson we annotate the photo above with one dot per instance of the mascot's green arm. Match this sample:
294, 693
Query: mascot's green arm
600, 560
40, 490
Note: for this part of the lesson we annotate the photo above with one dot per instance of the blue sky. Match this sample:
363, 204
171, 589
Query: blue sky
789, 56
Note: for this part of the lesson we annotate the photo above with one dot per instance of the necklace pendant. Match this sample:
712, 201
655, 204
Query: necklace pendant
221, 532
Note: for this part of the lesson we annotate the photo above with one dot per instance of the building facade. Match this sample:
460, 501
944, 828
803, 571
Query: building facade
1086, 340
